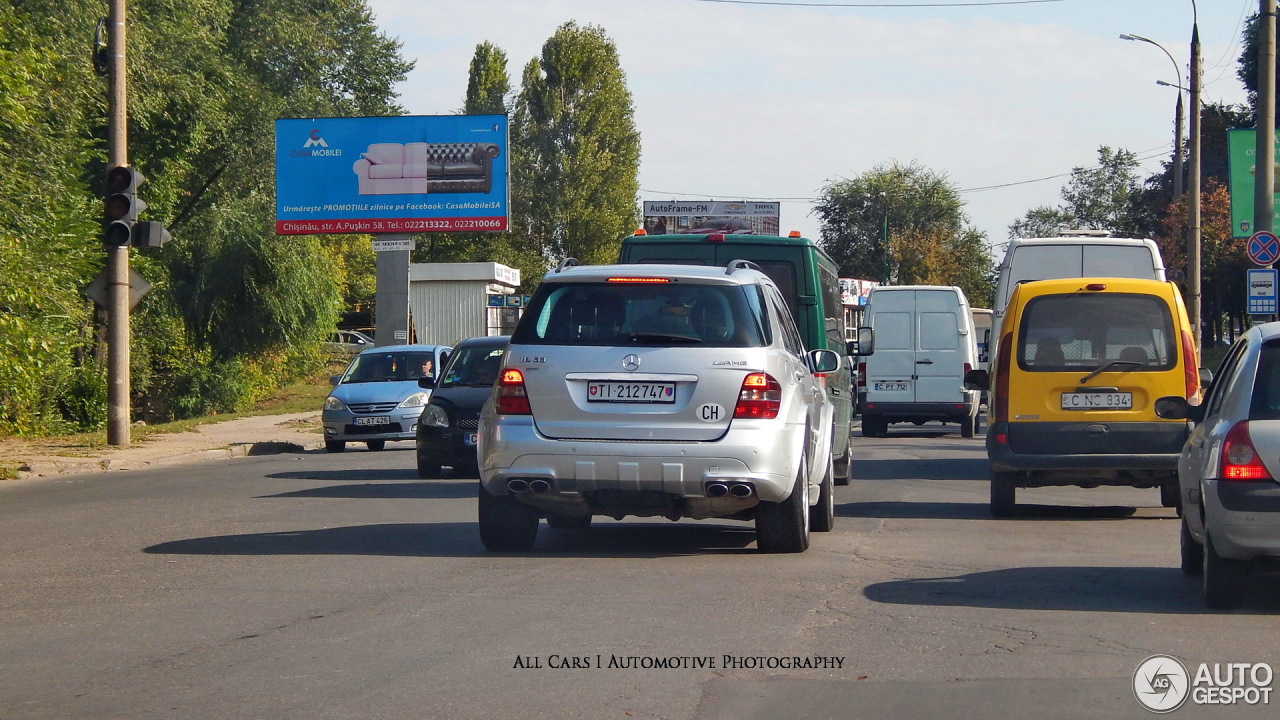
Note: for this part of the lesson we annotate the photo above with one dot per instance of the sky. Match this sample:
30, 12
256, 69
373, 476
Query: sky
741, 100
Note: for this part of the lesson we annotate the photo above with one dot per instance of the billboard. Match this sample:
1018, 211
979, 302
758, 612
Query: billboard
403, 174
711, 217
1242, 149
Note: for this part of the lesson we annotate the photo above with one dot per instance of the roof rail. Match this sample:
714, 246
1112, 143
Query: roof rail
567, 263
740, 264
1083, 233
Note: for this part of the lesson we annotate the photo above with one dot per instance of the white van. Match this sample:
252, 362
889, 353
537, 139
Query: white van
916, 345
1075, 253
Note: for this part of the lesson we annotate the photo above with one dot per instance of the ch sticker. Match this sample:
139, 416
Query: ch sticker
710, 412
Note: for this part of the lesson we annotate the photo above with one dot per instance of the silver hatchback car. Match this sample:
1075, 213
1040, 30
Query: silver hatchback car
378, 397
657, 390
1229, 468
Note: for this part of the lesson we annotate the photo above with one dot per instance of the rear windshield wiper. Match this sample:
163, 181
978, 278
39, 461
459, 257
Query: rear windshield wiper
1107, 366
661, 337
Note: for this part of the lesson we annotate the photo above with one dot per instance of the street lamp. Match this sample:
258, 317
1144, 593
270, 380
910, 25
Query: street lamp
1177, 123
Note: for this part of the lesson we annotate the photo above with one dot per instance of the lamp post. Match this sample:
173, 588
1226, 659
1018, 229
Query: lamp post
1177, 123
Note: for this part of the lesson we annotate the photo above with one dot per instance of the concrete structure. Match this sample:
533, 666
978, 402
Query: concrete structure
453, 301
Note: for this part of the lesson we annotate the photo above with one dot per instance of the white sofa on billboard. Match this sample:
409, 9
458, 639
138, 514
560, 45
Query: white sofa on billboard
418, 168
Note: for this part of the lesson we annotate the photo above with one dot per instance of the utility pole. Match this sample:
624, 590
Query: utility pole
118, 256
1265, 175
1193, 192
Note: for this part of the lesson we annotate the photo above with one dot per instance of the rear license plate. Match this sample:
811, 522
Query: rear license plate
631, 392
892, 386
1097, 401
376, 420
469, 440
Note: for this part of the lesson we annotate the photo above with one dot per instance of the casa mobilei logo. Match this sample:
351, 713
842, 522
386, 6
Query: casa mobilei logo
1163, 684
315, 146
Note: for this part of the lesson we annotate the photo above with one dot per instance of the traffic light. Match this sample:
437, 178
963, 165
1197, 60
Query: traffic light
122, 205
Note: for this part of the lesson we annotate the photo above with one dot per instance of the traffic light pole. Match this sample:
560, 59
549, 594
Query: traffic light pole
117, 257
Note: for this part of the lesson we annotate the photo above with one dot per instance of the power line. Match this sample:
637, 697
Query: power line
882, 5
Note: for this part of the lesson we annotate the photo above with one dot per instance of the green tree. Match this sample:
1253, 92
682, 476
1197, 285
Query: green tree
574, 184
921, 215
1107, 196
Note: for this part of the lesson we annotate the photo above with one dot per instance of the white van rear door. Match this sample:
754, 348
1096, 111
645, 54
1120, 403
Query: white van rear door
941, 351
891, 369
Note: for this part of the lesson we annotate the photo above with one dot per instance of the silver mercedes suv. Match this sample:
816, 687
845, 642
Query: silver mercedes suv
657, 390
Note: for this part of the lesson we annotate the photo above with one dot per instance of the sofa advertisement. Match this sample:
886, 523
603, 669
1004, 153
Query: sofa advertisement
404, 174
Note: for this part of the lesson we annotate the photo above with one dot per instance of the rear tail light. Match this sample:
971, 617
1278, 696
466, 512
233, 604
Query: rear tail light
512, 398
1239, 459
1189, 370
862, 374
999, 400
760, 397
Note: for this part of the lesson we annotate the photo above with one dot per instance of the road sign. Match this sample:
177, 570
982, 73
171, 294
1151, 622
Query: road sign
1264, 248
97, 290
383, 245
1262, 292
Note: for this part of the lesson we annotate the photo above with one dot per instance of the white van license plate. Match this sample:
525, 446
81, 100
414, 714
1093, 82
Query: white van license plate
1097, 401
890, 386
631, 392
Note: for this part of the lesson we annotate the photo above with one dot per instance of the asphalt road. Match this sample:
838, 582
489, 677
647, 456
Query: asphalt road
340, 586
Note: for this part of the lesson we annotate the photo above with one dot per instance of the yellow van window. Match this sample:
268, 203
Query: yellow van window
1088, 331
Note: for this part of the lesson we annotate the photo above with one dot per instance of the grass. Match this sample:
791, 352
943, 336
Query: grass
305, 396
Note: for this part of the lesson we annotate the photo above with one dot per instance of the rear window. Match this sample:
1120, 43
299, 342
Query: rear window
1088, 331
603, 313
1265, 404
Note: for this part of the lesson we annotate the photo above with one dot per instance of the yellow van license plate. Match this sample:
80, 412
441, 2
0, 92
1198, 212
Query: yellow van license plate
1097, 401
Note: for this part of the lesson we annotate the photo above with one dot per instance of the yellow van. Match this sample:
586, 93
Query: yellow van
1077, 369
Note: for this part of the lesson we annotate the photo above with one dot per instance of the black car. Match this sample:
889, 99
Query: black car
447, 428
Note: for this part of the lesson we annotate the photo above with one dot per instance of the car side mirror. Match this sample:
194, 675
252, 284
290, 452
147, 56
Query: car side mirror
1206, 377
866, 341
1172, 407
851, 348
823, 361
977, 380
333, 380
427, 382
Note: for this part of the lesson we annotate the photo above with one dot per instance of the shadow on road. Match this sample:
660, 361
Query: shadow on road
445, 489
982, 511
1092, 589
366, 474
939, 469
640, 540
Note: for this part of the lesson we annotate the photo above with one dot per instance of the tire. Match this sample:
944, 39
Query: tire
1169, 494
376, 445
874, 426
822, 517
569, 522
1004, 491
506, 524
844, 466
1192, 552
967, 425
783, 527
334, 446
428, 467
1223, 579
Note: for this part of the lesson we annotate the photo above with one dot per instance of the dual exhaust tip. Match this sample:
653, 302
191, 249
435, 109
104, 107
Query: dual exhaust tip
714, 490
738, 490
524, 486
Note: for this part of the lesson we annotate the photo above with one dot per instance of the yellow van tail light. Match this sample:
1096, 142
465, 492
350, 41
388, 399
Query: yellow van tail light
1004, 355
1189, 370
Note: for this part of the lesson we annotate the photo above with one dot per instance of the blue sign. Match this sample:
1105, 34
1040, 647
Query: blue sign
404, 174
1264, 248
1262, 292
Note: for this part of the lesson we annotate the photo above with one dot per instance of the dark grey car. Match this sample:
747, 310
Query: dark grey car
447, 428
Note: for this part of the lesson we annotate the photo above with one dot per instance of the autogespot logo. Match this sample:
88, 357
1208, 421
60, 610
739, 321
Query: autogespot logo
1161, 683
